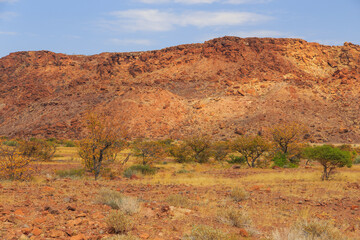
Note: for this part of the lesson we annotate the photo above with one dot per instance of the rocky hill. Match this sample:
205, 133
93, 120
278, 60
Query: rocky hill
225, 86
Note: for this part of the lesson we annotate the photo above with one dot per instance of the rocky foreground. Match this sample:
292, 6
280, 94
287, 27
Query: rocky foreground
225, 86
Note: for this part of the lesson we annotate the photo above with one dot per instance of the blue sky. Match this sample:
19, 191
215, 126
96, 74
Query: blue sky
93, 26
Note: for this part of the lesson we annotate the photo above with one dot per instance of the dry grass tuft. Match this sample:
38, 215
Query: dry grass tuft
234, 217
203, 232
116, 200
122, 237
178, 200
313, 230
118, 222
239, 194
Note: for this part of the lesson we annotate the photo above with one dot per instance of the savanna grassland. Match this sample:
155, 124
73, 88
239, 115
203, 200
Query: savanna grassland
180, 201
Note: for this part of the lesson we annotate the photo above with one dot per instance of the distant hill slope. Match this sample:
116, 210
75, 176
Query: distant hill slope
220, 86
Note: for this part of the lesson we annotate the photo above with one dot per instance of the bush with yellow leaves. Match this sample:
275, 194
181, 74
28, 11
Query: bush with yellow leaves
13, 164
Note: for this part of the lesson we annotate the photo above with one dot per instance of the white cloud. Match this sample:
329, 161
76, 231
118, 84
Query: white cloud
205, 1
144, 42
141, 20
5, 16
8, 1
208, 19
156, 20
8, 33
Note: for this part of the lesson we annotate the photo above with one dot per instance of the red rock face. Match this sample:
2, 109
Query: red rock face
222, 85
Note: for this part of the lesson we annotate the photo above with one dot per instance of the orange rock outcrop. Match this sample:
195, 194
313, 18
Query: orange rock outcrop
219, 86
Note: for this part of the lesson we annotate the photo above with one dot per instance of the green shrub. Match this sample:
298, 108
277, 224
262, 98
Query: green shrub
143, 169
69, 144
11, 143
178, 200
357, 160
281, 160
236, 159
239, 194
116, 200
128, 173
234, 217
72, 173
181, 153
203, 232
309, 230
118, 222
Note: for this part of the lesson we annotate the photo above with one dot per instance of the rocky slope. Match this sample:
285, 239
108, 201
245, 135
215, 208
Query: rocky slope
224, 86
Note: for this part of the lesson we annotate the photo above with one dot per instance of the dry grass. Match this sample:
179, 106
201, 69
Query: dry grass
203, 232
234, 217
121, 237
178, 200
116, 200
239, 194
309, 230
118, 222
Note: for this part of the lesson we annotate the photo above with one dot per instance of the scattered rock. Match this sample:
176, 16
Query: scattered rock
36, 231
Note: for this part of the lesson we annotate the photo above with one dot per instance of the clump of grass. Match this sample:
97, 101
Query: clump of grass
239, 194
178, 200
204, 232
71, 173
142, 169
122, 237
118, 222
309, 230
183, 171
234, 217
357, 160
116, 200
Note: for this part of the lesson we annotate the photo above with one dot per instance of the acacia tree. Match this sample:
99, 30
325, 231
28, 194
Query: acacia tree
100, 143
329, 157
251, 148
148, 151
288, 139
220, 150
200, 146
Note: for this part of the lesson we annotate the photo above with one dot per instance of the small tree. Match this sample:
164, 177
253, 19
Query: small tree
251, 148
201, 147
100, 143
288, 137
329, 157
38, 149
148, 151
13, 164
181, 152
220, 150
